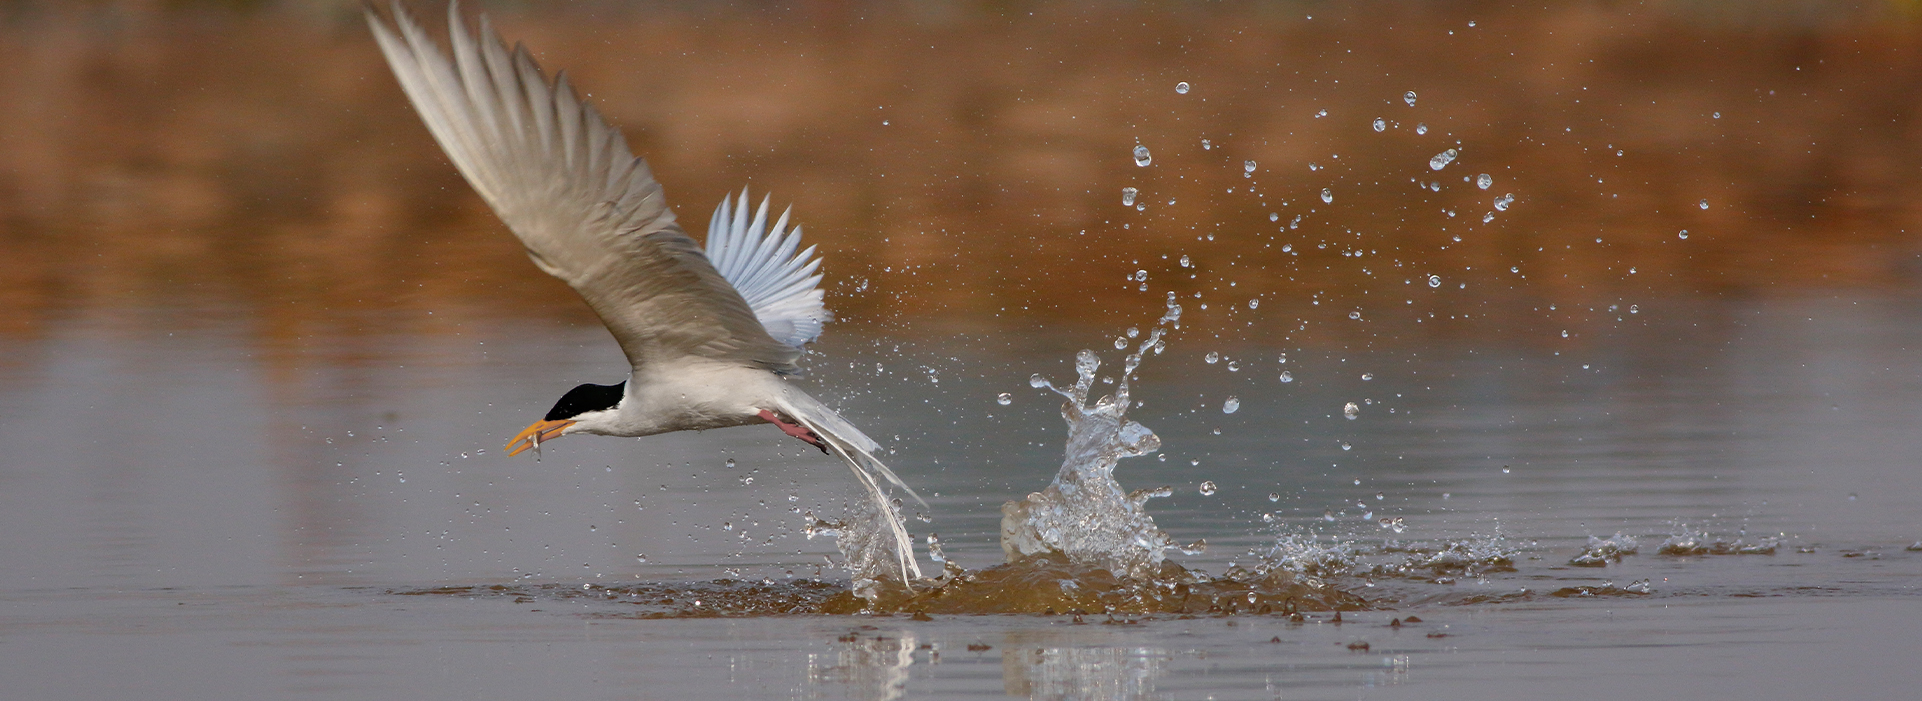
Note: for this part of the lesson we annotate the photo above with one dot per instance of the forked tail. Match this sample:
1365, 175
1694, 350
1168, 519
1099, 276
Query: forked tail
857, 450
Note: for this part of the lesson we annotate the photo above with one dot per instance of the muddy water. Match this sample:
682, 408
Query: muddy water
183, 516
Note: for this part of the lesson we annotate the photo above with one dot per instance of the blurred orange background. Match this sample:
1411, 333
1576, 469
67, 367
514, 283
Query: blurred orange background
961, 164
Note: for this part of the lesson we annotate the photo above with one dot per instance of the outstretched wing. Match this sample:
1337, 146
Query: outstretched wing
587, 210
780, 285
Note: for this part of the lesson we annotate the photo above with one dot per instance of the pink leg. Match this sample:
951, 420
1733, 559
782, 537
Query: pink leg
795, 430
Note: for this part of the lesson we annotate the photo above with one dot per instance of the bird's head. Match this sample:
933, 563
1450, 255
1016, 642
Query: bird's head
584, 408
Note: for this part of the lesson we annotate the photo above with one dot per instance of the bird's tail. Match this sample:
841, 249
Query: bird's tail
857, 450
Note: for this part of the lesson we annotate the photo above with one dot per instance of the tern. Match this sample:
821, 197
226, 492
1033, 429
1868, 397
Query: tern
711, 332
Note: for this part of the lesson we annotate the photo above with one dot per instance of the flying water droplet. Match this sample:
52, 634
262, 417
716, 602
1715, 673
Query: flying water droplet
1350, 411
1421, 128
1272, 496
1409, 97
1501, 203
1128, 196
1381, 124
1234, 366
1247, 166
1181, 88
1186, 262
1004, 399
1327, 195
1345, 446
1231, 406
1036, 380
1484, 180
730, 463
1274, 216
1366, 376
1489, 217
1434, 281
1142, 157
1208, 488
1211, 358
1684, 234
1355, 315
1441, 160
1704, 204
1253, 303
1287, 377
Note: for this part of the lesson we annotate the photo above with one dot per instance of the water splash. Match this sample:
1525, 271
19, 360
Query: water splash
1600, 552
1085, 515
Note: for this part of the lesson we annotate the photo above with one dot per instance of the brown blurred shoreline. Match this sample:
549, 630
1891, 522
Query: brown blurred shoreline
961, 165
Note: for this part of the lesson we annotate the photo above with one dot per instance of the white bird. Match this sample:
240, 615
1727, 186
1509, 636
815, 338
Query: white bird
711, 334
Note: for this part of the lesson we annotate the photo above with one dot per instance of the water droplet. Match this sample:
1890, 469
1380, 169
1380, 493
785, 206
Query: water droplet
1286, 247
1287, 377
1142, 157
1208, 488
1484, 180
1354, 315
1345, 444
1381, 124
1421, 128
1489, 217
1703, 204
1380, 496
1004, 399
1186, 263
1272, 496
1247, 166
1274, 216
1327, 515
730, 463
1350, 411
1036, 380
1501, 203
1254, 303
1718, 115
1231, 406
1434, 281
1504, 469
1684, 234
1366, 376
1564, 333
1205, 145
1441, 160
1327, 195
1181, 88
1632, 309
1128, 196
1234, 366
1409, 97
1211, 358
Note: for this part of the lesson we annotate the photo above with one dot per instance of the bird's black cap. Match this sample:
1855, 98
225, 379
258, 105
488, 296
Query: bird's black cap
586, 398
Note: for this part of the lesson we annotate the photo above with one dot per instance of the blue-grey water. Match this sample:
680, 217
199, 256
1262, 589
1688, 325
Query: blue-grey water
189, 511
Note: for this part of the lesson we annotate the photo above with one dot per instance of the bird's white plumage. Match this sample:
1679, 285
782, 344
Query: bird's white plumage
706, 333
780, 285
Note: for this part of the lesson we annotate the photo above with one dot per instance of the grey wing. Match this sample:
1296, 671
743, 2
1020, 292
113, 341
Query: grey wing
588, 211
779, 284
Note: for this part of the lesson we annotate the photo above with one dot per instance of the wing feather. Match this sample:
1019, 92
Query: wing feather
588, 211
780, 285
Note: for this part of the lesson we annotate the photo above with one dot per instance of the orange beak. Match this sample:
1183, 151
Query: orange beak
533, 436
